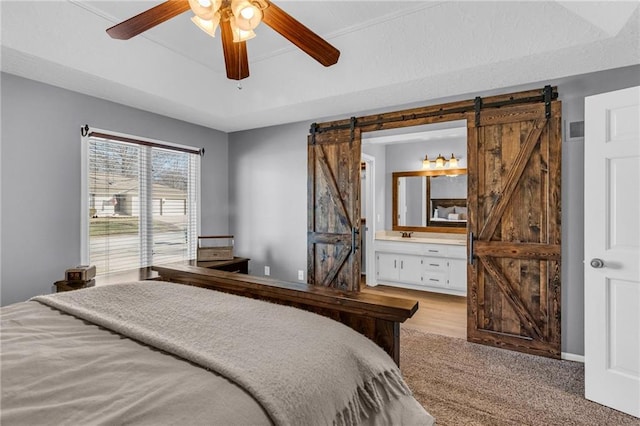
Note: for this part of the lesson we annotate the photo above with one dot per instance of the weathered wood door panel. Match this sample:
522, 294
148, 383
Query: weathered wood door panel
334, 209
514, 223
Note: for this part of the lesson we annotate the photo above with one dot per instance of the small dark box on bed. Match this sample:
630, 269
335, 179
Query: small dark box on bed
215, 247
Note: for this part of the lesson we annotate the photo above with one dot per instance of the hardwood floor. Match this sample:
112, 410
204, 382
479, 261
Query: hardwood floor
437, 313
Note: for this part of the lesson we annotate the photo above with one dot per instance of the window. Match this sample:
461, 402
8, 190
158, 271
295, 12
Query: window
141, 201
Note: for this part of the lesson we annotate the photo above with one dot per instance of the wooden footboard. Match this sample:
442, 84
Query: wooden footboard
377, 317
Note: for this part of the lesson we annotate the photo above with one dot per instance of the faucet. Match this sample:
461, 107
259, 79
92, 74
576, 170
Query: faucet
406, 234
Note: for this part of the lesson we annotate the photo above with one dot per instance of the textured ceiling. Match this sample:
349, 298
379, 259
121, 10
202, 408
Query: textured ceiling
392, 53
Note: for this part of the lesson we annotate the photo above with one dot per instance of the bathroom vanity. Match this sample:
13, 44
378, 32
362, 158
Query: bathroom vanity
424, 261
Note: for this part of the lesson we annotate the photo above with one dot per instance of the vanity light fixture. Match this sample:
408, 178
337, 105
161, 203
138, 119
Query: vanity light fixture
440, 162
426, 163
453, 162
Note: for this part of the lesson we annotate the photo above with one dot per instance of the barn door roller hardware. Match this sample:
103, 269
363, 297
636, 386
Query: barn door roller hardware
547, 97
380, 121
477, 105
353, 128
313, 130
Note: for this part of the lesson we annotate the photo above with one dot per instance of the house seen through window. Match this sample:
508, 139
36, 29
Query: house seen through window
142, 204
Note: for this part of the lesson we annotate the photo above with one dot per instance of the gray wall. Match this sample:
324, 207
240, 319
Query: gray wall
271, 222
268, 198
40, 177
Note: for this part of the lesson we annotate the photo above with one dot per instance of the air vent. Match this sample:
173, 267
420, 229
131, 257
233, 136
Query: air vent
576, 129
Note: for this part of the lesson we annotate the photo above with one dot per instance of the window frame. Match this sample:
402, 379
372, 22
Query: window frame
86, 134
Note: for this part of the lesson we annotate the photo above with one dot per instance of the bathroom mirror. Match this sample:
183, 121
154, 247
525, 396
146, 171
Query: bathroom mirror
430, 201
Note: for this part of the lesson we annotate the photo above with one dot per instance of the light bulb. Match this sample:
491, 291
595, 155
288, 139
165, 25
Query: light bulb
248, 16
247, 12
205, 9
238, 33
426, 164
453, 162
440, 161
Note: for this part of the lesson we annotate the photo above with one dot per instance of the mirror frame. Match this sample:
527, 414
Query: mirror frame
394, 202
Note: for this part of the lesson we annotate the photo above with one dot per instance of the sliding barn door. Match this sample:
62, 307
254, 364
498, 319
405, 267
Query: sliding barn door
514, 225
333, 221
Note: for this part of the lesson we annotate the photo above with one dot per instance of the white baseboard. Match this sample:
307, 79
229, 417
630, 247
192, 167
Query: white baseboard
572, 357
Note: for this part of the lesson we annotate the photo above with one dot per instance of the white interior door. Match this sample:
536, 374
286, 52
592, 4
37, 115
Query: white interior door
612, 249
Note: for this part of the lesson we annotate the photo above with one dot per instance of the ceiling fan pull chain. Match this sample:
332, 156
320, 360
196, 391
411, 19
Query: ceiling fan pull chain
239, 66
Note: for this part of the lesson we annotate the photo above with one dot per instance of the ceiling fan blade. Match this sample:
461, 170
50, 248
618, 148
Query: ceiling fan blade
301, 36
148, 19
235, 54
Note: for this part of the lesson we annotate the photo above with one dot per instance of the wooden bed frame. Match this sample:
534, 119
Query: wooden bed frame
377, 317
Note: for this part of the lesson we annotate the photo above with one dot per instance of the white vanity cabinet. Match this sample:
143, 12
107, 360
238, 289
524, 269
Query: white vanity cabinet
422, 266
399, 268
458, 275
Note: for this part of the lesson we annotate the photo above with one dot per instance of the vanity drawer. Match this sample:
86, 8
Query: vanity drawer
434, 279
435, 249
435, 264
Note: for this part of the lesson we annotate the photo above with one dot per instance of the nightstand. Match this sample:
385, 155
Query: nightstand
65, 285
237, 264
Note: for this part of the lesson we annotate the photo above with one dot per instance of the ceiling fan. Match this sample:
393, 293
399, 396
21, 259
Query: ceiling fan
237, 20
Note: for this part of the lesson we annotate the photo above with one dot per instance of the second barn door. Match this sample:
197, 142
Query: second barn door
514, 227
333, 191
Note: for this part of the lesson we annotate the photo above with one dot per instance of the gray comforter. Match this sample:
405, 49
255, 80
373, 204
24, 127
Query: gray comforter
263, 363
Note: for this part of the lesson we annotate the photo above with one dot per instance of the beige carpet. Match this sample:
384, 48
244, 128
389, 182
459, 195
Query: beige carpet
462, 383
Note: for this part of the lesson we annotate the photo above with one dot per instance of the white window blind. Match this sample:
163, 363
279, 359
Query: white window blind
142, 203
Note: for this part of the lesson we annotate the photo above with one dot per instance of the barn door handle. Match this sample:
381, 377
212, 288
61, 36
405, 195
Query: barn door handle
354, 239
470, 248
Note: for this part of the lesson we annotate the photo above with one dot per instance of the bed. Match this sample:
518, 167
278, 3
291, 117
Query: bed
153, 352
448, 212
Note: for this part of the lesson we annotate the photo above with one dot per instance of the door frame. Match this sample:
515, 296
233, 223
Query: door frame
370, 225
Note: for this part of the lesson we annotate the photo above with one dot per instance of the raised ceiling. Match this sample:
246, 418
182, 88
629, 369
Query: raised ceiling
392, 53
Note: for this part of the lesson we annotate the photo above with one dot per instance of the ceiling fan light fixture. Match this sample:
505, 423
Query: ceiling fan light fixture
208, 26
248, 15
205, 9
238, 33
233, 34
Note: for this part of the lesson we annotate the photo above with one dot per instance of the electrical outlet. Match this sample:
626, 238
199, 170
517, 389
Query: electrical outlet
267, 270
301, 275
